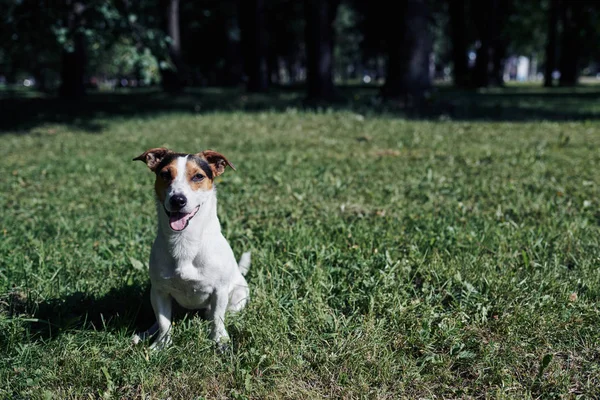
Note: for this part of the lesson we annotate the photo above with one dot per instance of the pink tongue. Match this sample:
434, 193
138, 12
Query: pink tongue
178, 220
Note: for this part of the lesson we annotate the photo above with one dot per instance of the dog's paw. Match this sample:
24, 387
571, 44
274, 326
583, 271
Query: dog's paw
161, 343
141, 337
222, 348
136, 339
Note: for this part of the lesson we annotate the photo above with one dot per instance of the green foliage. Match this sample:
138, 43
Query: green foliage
348, 39
117, 41
124, 59
526, 28
442, 45
28, 43
392, 258
35, 34
121, 44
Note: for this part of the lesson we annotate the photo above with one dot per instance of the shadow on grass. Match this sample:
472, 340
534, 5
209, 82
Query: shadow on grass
22, 114
122, 309
126, 308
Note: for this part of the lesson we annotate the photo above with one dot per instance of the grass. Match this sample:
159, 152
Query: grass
393, 257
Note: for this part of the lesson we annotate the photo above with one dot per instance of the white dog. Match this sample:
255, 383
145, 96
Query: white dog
191, 260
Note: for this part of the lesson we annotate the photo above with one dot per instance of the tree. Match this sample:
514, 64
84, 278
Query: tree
319, 16
173, 78
347, 53
73, 56
551, 43
26, 31
211, 41
254, 42
459, 42
491, 19
409, 48
373, 46
571, 14
484, 14
286, 26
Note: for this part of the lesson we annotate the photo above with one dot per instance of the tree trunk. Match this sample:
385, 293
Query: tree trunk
551, 43
233, 55
40, 78
483, 19
319, 15
409, 48
569, 57
254, 38
74, 60
459, 42
173, 78
273, 69
498, 57
490, 16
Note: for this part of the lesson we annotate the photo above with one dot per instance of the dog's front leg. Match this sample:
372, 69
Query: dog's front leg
139, 337
218, 333
161, 303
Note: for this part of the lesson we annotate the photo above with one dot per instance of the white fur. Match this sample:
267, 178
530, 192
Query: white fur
196, 266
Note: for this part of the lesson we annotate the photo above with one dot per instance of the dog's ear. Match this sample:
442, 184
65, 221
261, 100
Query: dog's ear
217, 161
153, 157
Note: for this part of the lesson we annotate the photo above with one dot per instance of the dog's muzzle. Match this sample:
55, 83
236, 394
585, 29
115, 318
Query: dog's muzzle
178, 220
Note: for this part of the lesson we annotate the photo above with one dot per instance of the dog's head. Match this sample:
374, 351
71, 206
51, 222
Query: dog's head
183, 181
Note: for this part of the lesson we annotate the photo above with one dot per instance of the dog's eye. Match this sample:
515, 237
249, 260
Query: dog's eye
166, 175
198, 178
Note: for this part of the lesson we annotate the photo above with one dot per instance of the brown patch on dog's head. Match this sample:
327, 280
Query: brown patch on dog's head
198, 177
153, 157
165, 174
216, 161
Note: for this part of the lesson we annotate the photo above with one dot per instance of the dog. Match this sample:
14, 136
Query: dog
191, 261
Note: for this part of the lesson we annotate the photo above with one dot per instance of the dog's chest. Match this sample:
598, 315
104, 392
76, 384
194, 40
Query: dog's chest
188, 285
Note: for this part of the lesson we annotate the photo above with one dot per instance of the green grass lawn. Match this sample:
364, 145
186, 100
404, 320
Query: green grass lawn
454, 256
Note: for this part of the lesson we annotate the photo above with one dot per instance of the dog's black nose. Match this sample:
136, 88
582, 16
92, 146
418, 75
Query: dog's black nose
178, 201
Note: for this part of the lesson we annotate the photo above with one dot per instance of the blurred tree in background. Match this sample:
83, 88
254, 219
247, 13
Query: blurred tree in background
319, 42
409, 49
254, 44
28, 42
68, 47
